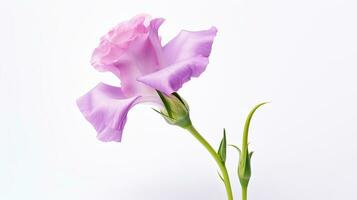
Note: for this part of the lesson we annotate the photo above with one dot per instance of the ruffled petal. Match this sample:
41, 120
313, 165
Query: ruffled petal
171, 78
185, 56
106, 108
130, 50
114, 44
143, 57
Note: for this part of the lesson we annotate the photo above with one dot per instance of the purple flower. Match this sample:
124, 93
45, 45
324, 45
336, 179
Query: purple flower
133, 52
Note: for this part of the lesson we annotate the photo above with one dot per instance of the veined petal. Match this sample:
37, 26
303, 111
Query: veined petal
106, 108
171, 78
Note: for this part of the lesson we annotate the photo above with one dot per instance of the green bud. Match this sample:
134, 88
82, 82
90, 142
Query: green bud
244, 169
176, 110
244, 165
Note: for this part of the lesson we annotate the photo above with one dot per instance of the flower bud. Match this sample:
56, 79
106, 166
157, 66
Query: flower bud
244, 170
244, 165
176, 110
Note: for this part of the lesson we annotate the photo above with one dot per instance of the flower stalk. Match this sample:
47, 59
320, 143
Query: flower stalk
216, 157
176, 112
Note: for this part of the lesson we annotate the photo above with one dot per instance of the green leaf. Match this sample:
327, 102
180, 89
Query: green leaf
179, 97
237, 148
222, 150
162, 114
165, 102
251, 154
220, 176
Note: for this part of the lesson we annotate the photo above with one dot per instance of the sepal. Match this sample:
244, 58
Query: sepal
175, 110
222, 150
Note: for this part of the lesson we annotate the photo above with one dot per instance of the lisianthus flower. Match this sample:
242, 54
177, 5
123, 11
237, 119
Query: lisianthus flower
133, 52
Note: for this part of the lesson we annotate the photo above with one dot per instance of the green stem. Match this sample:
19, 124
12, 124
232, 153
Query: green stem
244, 193
213, 153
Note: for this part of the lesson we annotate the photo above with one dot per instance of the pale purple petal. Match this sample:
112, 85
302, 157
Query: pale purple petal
115, 43
155, 41
188, 44
130, 50
143, 57
185, 56
171, 78
106, 108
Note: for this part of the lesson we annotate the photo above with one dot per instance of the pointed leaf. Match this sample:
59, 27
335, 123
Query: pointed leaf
251, 154
220, 176
222, 150
179, 97
181, 100
237, 148
162, 114
165, 102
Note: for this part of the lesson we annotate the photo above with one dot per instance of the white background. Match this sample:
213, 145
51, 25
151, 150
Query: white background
301, 55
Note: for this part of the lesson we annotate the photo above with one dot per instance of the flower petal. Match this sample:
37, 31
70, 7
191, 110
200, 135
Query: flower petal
155, 40
129, 59
114, 44
171, 78
106, 108
185, 56
188, 44
144, 57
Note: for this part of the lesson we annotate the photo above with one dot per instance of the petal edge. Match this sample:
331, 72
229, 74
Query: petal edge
106, 108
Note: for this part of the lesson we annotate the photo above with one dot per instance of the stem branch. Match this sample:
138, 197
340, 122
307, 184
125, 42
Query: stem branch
216, 157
